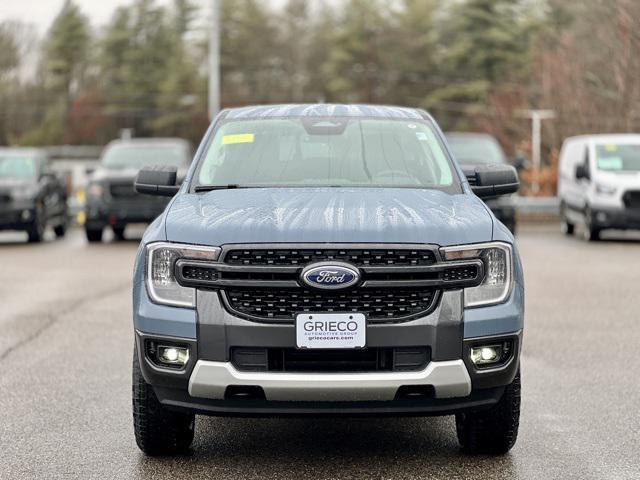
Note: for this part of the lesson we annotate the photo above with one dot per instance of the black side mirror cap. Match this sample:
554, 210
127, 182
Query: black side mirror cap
492, 180
157, 180
581, 172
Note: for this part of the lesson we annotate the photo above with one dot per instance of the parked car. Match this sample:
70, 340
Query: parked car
599, 183
32, 196
471, 149
326, 260
110, 197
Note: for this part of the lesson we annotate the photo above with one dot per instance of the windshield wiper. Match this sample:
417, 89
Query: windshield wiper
209, 188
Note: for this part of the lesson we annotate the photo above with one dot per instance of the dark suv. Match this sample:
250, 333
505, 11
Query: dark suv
32, 196
111, 198
327, 260
472, 149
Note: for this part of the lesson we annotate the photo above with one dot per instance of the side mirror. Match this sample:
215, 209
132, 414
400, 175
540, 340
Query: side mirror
493, 180
582, 172
157, 180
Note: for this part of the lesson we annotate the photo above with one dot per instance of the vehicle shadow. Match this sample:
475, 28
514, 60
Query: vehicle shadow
328, 448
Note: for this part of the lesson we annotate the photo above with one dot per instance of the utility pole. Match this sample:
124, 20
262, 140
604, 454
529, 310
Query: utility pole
214, 60
536, 117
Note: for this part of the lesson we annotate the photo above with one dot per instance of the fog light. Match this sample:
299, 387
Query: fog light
26, 214
488, 354
170, 355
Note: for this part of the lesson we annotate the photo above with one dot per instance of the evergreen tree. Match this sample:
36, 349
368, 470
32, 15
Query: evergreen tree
66, 53
355, 66
484, 44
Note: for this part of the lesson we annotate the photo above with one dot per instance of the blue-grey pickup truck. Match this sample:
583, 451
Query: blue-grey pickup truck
327, 260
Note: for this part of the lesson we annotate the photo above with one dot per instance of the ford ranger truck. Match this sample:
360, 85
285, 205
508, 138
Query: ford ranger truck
327, 260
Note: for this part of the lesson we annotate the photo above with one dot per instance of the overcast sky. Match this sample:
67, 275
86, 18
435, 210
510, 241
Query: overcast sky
41, 13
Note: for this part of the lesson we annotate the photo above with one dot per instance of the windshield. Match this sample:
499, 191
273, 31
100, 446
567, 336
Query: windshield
315, 151
474, 150
618, 157
18, 167
138, 156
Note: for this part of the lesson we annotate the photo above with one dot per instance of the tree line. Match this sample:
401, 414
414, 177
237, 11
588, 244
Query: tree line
474, 64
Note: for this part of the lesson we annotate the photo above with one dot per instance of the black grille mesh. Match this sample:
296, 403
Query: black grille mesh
631, 199
359, 257
388, 304
122, 190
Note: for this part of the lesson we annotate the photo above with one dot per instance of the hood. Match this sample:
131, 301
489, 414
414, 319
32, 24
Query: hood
622, 180
320, 215
113, 175
124, 175
10, 184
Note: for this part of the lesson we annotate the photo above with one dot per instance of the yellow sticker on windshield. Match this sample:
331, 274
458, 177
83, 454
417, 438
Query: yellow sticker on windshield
611, 148
238, 138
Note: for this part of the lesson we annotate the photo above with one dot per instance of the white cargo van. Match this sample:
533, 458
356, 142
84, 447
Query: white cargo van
599, 183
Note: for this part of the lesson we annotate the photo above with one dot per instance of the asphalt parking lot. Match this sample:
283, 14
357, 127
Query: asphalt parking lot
65, 356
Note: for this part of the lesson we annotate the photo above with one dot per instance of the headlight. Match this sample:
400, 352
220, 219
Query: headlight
603, 189
95, 190
160, 279
498, 264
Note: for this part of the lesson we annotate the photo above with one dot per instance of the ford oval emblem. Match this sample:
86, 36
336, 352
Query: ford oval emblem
330, 275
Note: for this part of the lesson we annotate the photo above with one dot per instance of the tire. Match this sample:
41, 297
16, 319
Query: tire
38, 227
94, 235
118, 232
591, 233
512, 227
492, 431
61, 229
158, 431
567, 227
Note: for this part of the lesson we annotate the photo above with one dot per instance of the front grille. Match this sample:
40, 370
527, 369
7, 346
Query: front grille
398, 359
631, 199
358, 257
379, 304
264, 282
125, 190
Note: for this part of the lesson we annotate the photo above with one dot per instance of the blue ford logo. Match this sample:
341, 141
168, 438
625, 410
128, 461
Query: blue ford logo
330, 276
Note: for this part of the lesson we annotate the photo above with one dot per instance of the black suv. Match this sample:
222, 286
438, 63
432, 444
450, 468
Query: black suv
473, 149
31, 195
111, 199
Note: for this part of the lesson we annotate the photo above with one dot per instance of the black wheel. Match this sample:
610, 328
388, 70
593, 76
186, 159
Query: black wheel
119, 233
567, 227
94, 234
511, 226
39, 225
591, 233
158, 431
61, 229
492, 431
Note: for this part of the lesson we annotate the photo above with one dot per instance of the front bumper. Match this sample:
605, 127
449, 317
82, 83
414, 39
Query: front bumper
616, 218
212, 379
448, 383
119, 213
16, 216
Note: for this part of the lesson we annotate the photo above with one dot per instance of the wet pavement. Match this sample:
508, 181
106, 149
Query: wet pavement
65, 357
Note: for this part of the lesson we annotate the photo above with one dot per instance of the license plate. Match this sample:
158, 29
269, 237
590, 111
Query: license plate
331, 330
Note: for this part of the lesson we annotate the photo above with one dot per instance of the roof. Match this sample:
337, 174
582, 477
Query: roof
149, 141
323, 110
468, 135
24, 151
608, 137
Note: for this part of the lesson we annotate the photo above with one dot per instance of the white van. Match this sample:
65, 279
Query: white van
599, 183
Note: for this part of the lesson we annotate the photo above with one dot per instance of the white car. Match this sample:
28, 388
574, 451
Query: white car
599, 183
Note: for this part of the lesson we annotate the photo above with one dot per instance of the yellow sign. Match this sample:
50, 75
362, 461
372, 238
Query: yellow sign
238, 138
